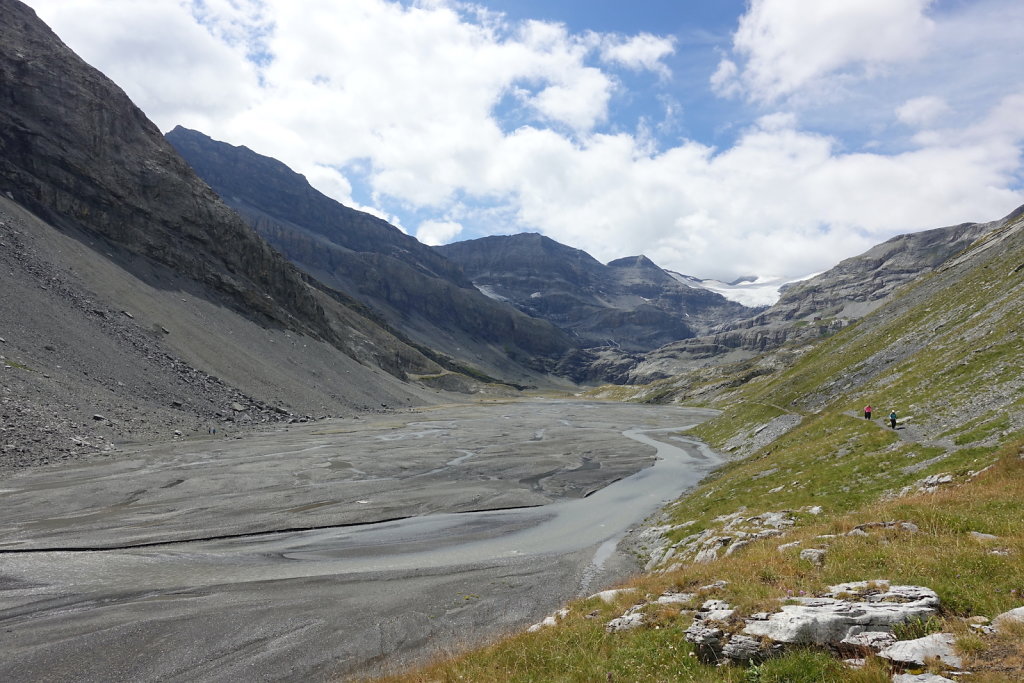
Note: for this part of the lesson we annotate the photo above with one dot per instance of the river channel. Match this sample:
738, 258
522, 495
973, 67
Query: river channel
326, 550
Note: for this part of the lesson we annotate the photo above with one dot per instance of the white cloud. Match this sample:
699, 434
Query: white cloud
413, 95
789, 44
922, 111
160, 55
438, 232
1004, 125
580, 103
642, 52
725, 81
780, 202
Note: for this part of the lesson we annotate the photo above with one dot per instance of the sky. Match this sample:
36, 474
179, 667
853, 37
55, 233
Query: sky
721, 138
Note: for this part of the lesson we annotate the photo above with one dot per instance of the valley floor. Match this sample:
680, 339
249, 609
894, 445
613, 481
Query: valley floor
319, 550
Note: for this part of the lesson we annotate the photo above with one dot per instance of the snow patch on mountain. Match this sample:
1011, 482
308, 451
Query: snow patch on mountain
753, 291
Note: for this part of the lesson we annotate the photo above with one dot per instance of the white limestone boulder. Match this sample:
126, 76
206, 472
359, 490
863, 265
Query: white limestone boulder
706, 631
746, 649
673, 598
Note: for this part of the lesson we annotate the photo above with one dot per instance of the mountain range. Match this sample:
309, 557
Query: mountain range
630, 303
525, 307
413, 287
197, 240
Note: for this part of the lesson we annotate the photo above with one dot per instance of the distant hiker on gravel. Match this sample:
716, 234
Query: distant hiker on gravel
892, 419
867, 412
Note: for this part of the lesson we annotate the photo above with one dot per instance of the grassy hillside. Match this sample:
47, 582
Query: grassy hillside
936, 502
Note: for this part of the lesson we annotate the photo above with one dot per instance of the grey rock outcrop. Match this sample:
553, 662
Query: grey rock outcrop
846, 610
707, 632
815, 556
549, 621
632, 619
714, 643
731, 533
852, 618
635, 616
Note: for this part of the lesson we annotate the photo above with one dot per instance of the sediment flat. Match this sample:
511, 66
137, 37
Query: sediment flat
323, 550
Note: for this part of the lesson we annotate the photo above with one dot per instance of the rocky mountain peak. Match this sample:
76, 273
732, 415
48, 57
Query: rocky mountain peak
630, 304
640, 261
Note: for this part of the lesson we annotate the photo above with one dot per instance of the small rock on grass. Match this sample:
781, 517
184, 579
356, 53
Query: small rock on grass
1007, 618
672, 598
551, 620
742, 648
815, 556
627, 622
609, 596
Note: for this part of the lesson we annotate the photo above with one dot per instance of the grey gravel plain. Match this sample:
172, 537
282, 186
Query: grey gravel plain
327, 550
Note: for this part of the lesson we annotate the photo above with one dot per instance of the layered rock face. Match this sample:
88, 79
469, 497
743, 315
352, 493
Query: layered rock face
73, 147
417, 289
630, 304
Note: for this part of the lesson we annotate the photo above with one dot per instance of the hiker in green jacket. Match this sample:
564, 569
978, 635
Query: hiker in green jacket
892, 419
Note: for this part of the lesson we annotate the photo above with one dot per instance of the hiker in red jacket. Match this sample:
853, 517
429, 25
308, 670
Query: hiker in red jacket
867, 412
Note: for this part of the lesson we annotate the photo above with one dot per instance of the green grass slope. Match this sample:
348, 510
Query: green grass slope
936, 502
